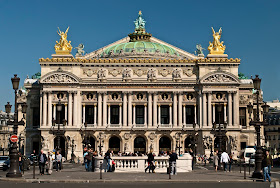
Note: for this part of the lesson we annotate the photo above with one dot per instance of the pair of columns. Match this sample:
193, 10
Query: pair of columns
49, 110
231, 109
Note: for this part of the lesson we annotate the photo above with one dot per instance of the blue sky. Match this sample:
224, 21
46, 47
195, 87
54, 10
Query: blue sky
251, 31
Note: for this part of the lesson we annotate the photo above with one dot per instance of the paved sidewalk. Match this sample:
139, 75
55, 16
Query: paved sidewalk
74, 173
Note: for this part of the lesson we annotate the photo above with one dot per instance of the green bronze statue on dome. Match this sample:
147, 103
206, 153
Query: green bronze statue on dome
140, 22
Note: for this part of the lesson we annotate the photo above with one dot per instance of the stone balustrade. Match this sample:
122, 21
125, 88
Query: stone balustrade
138, 164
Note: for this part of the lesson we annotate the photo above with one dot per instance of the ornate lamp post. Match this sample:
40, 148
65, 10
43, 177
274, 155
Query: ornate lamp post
100, 143
58, 132
84, 135
72, 152
178, 142
257, 124
14, 162
219, 132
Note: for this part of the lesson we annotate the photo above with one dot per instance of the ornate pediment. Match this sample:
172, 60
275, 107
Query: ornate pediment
60, 77
220, 77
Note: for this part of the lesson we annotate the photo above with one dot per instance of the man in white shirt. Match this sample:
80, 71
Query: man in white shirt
225, 159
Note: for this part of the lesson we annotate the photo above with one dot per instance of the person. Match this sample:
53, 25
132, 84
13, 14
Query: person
269, 162
20, 161
216, 161
172, 162
265, 168
49, 163
89, 160
108, 161
42, 161
225, 159
32, 158
85, 160
58, 161
230, 162
150, 162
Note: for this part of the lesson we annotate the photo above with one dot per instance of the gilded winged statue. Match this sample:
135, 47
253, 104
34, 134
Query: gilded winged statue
63, 46
216, 47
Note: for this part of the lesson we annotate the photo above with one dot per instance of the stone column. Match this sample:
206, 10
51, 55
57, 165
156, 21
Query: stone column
84, 113
44, 108
124, 109
170, 115
175, 116
200, 109
150, 111
75, 109
70, 108
54, 111
134, 114
49, 108
210, 109
214, 112
99, 103
155, 109
109, 114
145, 114
184, 115
41, 108
80, 114
195, 116
105, 109
229, 109
180, 119
225, 112
159, 119
204, 119
120, 116
65, 109
236, 108
95, 114
129, 109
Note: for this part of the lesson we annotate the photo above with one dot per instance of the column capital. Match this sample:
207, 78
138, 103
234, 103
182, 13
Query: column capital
126, 92
75, 92
108, 104
170, 104
133, 104
70, 92
194, 104
54, 104
145, 104
213, 104
65, 104
150, 92
49, 92
120, 104
94, 104
184, 104
158, 104
102, 92
225, 104
84, 104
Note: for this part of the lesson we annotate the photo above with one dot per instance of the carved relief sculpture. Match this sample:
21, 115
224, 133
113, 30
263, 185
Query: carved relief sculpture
101, 74
126, 74
176, 75
151, 75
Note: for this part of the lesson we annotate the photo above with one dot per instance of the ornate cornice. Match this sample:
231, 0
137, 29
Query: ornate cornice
80, 60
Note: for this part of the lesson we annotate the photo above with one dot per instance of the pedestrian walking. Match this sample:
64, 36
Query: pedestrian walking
265, 168
89, 160
225, 159
172, 162
42, 162
193, 158
49, 163
269, 162
20, 161
108, 161
85, 160
216, 160
150, 162
58, 161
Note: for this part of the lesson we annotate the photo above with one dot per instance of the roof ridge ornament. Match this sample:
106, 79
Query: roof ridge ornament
216, 47
139, 33
63, 47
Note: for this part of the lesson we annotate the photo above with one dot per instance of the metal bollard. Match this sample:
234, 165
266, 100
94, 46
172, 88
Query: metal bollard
240, 165
33, 169
169, 171
244, 170
249, 166
100, 170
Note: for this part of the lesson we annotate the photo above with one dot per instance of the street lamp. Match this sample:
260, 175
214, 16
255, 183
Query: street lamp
100, 143
257, 124
178, 142
13, 153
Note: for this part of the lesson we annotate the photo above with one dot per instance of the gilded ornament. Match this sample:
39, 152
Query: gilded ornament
216, 47
63, 46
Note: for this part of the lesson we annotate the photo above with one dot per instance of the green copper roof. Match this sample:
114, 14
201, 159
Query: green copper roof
139, 46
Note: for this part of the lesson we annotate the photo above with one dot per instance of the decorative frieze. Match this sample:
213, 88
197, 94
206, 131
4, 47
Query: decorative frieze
115, 72
164, 72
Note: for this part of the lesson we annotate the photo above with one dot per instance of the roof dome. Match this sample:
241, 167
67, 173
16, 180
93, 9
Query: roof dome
138, 47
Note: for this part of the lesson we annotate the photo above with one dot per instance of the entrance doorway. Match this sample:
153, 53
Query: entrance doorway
140, 145
164, 144
114, 144
62, 145
91, 143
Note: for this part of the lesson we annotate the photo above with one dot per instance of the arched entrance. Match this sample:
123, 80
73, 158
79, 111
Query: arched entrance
61, 145
140, 145
164, 144
114, 144
224, 144
189, 141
